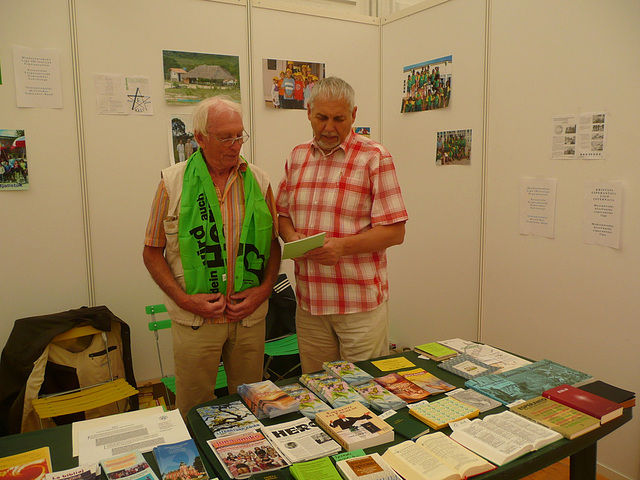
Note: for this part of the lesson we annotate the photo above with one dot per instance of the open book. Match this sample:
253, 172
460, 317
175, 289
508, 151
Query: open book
435, 457
503, 437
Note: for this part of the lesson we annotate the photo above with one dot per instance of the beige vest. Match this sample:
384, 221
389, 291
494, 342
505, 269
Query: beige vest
173, 178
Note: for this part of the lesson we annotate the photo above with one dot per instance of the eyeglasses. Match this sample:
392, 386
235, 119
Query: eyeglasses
229, 142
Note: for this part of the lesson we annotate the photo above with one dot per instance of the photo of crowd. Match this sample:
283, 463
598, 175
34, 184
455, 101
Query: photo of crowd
427, 85
288, 84
14, 172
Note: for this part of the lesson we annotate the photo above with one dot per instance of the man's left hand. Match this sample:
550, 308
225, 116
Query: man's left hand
328, 254
243, 304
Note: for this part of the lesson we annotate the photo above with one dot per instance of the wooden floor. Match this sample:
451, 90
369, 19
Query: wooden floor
557, 471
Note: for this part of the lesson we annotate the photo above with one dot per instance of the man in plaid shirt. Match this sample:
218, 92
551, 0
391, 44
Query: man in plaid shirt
345, 185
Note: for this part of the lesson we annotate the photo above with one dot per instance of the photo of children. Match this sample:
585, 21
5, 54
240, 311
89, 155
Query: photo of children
427, 85
14, 173
287, 83
453, 147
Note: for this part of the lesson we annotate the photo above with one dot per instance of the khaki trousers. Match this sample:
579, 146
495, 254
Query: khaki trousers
197, 354
353, 337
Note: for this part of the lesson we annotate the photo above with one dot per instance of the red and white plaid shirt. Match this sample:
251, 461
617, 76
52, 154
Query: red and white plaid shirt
348, 191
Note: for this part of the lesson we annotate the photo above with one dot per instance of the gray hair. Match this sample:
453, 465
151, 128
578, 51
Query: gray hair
218, 103
333, 88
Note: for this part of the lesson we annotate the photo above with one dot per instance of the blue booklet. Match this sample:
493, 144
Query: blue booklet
180, 460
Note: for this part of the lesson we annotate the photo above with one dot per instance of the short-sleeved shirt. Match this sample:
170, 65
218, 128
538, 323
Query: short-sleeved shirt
345, 192
231, 202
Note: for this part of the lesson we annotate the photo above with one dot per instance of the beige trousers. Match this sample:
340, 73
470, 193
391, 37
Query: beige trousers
197, 354
353, 337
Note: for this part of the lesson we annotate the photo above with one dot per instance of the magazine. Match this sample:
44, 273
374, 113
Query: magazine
301, 440
247, 453
81, 472
128, 466
228, 418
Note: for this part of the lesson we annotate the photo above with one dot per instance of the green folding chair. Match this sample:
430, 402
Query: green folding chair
155, 325
278, 347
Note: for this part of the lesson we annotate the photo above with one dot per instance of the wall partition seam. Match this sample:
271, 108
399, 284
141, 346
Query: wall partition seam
485, 160
249, 27
82, 161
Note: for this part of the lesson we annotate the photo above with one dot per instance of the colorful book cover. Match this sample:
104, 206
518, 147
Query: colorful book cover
81, 472
527, 382
380, 398
180, 461
338, 392
266, 400
245, 454
31, 465
128, 466
427, 381
347, 371
402, 388
309, 403
228, 418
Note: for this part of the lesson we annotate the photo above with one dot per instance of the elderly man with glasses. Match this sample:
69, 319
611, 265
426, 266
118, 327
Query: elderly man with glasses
211, 246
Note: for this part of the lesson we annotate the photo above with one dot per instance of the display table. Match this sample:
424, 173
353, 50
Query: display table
582, 450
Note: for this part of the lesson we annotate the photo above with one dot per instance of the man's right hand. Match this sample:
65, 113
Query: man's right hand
206, 305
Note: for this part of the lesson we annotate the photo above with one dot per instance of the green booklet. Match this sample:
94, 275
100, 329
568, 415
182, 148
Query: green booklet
320, 469
297, 248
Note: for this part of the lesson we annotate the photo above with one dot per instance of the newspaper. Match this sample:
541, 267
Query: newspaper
301, 440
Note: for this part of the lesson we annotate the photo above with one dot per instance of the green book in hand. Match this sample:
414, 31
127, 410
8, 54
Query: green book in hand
297, 248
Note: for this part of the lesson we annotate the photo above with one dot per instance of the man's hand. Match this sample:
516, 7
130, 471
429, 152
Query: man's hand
328, 254
207, 305
243, 304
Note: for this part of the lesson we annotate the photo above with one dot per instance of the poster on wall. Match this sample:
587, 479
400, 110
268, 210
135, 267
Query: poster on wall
579, 136
14, 173
182, 142
453, 147
602, 213
364, 131
190, 77
37, 77
427, 85
288, 83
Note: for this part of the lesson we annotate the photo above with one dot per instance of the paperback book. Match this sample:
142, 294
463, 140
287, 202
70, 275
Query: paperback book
318, 469
568, 422
81, 472
402, 388
405, 424
378, 397
466, 366
228, 418
366, 467
475, 399
180, 460
245, 454
266, 400
30, 465
354, 426
347, 371
301, 440
435, 351
427, 381
128, 466
503, 437
334, 391
527, 382
309, 403
585, 402
435, 457
438, 414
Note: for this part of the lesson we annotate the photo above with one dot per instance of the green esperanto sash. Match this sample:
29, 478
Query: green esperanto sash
201, 233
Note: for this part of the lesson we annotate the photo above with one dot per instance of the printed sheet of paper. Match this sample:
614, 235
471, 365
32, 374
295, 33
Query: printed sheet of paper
390, 364
602, 213
121, 95
537, 206
579, 136
123, 432
37, 76
297, 248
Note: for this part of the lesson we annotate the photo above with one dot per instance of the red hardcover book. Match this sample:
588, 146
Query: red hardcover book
584, 402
